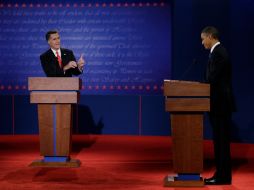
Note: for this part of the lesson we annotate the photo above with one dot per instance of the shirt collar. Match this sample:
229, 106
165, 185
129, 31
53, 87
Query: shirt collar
54, 51
217, 43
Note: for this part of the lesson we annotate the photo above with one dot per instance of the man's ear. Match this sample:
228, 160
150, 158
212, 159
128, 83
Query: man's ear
211, 37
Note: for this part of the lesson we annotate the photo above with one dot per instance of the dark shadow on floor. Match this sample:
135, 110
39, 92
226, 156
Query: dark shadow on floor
82, 143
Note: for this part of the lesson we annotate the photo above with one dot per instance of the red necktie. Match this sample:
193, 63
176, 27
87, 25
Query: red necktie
59, 59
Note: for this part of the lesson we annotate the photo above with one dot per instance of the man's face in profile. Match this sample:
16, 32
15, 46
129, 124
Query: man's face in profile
206, 40
54, 41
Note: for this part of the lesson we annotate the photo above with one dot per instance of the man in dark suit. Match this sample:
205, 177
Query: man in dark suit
57, 61
218, 75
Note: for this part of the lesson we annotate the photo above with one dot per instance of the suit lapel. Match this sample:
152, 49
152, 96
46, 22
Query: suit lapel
63, 56
51, 55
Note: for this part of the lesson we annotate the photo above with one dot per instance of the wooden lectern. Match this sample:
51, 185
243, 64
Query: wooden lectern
186, 101
55, 96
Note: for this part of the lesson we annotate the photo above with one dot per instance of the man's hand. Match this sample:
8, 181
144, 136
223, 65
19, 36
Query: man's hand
71, 64
81, 63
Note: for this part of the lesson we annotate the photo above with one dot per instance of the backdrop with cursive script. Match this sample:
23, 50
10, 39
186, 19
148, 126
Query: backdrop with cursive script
126, 45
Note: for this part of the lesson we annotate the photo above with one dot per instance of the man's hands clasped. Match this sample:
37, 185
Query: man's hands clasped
73, 64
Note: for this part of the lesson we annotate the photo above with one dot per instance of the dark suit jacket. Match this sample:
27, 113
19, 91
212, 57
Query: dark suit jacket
51, 67
218, 74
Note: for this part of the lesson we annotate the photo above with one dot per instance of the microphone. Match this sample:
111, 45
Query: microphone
194, 62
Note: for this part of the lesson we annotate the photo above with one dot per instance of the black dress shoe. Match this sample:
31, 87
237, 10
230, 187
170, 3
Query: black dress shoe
215, 181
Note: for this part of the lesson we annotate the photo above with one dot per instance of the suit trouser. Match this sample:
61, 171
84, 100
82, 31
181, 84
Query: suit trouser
221, 125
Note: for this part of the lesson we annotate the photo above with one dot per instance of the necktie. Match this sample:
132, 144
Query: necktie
210, 56
59, 59
208, 68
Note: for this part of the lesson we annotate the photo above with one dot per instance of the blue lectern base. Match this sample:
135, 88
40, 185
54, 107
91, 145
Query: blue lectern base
174, 181
71, 163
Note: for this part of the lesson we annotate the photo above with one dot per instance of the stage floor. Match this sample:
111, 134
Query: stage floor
111, 162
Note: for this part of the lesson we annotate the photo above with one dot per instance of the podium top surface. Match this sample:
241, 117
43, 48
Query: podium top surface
54, 83
185, 88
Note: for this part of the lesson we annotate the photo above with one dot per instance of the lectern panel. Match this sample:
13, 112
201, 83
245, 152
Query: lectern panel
185, 88
54, 83
54, 97
63, 129
187, 134
187, 104
46, 120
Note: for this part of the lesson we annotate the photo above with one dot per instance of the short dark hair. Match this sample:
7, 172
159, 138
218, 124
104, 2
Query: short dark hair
212, 31
49, 33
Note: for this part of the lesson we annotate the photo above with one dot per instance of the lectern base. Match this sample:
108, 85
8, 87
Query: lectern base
73, 163
171, 181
